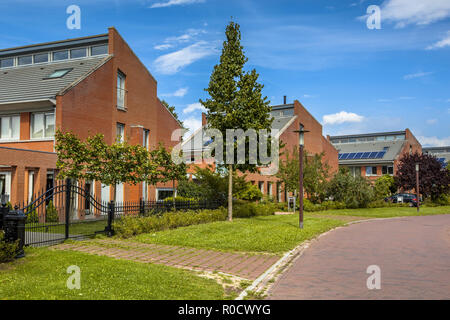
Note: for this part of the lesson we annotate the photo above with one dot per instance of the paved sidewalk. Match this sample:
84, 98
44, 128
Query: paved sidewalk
413, 254
248, 266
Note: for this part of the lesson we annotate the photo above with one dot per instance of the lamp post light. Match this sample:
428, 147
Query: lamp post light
301, 133
417, 187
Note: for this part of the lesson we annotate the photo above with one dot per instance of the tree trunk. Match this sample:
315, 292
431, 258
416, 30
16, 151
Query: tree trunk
230, 192
173, 197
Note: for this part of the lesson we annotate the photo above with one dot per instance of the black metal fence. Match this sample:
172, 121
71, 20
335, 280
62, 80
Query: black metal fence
68, 211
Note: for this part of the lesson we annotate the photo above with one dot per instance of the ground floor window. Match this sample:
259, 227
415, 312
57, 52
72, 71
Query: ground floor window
162, 194
355, 171
388, 170
5, 184
371, 171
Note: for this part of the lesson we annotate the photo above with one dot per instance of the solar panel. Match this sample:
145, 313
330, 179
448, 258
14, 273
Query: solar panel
380, 155
365, 155
351, 155
344, 156
373, 155
340, 156
358, 155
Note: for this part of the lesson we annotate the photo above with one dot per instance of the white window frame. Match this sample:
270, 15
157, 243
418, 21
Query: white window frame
11, 122
121, 90
120, 132
7, 175
44, 137
146, 139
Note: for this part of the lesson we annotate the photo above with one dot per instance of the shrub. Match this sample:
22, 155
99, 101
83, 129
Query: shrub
355, 192
51, 214
243, 209
7, 250
250, 192
129, 226
384, 187
32, 216
180, 199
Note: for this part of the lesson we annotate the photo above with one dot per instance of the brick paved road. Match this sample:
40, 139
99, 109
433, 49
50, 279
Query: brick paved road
248, 266
413, 254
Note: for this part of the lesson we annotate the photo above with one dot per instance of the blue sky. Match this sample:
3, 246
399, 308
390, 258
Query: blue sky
351, 78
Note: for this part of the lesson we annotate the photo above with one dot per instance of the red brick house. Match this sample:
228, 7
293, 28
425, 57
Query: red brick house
374, 154
287, 119
87, 85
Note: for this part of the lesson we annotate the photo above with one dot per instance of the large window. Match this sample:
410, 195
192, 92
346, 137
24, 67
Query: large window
120, 90
387, 170
371, 171
42, 125
8, 62
60, 55
9, 127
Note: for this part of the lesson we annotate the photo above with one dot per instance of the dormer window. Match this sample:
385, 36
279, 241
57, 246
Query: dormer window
21, 61
5, 63
41, 58
60, 55
77, 53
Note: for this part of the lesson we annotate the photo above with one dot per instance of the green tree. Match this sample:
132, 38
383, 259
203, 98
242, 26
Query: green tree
172, 111
315, 174
384, 187
355, 192
236, 100
169, 170
94, 159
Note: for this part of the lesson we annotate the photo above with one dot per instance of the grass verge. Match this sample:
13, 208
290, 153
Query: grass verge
389, 212
42, 275
271, 234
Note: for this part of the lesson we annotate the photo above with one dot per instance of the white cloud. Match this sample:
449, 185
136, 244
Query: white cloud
445, 42
173, 62
179, 93
434, 141
194, 107
416, 75
431, 121
341, 117
192, 124
419, 12
163, 46
175, 3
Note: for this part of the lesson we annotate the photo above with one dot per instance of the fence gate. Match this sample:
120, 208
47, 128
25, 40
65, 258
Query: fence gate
65, 211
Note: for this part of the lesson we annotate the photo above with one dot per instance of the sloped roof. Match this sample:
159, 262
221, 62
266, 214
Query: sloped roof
195, 142
28, 82
393, 149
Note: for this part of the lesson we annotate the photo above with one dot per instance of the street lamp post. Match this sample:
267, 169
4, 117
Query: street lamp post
417, 187
301, 133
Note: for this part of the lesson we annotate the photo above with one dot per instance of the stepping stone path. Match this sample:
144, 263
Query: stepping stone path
244, 265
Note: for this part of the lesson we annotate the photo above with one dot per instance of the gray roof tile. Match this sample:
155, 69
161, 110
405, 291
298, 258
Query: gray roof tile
27, 82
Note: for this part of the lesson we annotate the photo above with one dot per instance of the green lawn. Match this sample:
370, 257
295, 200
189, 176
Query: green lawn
386, 212
76, 228
42, 275
273, 234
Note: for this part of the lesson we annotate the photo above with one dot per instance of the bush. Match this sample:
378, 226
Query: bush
355, 192
129, 226
243, 209
51, 214
32, 216
250, 192
384, 187
384, 204
180, 199
7, 250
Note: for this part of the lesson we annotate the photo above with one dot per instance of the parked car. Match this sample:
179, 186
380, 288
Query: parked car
403, 198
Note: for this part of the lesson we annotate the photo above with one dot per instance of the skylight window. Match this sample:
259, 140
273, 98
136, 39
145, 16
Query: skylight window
59, 73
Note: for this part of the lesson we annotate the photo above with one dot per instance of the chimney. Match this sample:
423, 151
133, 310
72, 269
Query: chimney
204, 119
284, 99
